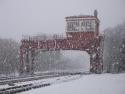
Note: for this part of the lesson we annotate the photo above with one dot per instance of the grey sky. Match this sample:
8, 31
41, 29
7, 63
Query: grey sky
28, 17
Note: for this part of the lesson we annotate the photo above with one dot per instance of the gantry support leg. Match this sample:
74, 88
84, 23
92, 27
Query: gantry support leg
96, 64
27, 61
30, 61
96, 57
21, 65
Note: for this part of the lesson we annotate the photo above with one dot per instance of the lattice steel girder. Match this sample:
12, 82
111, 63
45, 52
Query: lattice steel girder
91, 44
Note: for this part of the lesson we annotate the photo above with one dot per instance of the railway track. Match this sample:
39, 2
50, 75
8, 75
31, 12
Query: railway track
30, 85
24, 79
21, 88
35, 77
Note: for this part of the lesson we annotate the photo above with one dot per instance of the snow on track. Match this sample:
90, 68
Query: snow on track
24, 86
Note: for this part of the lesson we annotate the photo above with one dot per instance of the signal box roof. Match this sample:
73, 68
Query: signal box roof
70, 18
81, 16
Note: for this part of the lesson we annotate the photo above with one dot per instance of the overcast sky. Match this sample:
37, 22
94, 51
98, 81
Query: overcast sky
28, 17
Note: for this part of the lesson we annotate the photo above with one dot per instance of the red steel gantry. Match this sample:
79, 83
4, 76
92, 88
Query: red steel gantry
82, 33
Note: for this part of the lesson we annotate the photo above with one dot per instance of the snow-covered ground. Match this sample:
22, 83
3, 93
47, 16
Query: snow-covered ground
87, 84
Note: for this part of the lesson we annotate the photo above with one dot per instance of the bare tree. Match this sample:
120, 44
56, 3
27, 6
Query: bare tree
112, 43
8, 56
